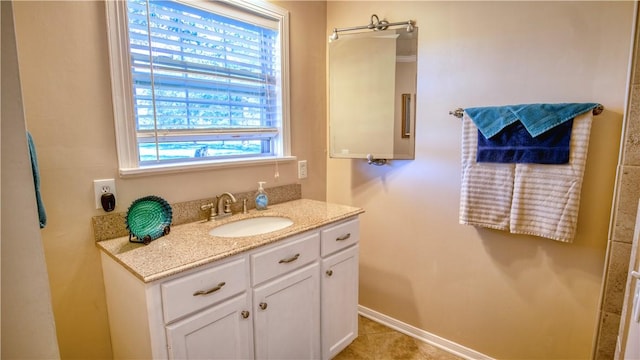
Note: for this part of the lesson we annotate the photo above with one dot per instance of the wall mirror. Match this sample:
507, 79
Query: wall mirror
372, 94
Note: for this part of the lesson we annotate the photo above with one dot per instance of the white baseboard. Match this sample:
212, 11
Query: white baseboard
427, 337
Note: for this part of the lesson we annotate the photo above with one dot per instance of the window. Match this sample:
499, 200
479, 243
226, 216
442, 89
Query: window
198, 83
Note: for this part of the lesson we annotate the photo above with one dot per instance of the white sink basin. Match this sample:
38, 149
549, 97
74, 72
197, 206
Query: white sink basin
251, 226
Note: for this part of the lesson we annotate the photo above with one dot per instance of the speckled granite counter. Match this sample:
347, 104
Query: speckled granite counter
190, 245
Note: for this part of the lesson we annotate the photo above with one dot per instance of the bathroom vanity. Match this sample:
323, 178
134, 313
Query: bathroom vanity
286, 294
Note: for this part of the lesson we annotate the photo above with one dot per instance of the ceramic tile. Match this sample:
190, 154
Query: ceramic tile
636, 65
625, 209
378, 342
632, 132
360, 349
606, 343
616, 277
367, 326
626, 204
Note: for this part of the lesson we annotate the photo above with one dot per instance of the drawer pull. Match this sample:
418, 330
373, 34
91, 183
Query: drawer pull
245, 314
343, 237
288, 260
207, 292
329, 272
263, 305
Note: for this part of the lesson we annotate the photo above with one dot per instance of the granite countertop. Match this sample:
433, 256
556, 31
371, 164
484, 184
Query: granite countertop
190, 245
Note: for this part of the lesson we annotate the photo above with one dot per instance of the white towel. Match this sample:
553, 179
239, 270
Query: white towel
487, 188
546, 198
534, 199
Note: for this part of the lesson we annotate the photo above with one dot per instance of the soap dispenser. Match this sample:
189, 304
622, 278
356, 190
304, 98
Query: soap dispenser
262, 200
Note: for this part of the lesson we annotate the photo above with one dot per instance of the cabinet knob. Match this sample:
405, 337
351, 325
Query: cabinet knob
245, 314
263, 305
329, 272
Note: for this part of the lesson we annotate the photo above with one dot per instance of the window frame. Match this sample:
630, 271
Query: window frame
122, 92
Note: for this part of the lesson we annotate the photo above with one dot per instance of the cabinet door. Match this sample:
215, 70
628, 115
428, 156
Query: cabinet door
287, 316
339, 301
223, 331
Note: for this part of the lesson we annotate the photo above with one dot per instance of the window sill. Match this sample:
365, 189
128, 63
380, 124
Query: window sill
200, 166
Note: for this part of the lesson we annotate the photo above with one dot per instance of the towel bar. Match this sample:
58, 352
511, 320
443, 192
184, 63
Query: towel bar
459, 112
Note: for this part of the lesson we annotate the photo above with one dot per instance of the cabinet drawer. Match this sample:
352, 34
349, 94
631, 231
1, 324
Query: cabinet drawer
286, 257
192, 292
340, 236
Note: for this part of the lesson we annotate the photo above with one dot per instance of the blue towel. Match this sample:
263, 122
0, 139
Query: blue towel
526, 133
42, 215
536, 118
514, 144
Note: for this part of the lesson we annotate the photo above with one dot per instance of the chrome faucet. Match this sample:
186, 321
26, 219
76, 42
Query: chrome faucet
224, 205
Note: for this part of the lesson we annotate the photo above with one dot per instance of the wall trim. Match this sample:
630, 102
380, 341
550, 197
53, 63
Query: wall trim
422, 335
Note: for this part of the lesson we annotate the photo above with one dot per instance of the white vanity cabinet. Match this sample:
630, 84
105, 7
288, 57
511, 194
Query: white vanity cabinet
339, 249
286, 299
295, 298
220, 327
220, 332
287, 316
188, 315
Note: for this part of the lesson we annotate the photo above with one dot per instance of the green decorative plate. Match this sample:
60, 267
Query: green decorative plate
148, 218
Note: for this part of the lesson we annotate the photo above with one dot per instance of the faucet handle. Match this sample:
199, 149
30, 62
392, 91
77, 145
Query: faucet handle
211, 207
207, 206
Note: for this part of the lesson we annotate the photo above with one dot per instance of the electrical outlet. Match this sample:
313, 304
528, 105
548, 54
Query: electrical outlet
101, 187
302, 169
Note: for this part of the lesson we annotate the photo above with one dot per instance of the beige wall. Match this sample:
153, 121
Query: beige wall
28, 327
65, 75
504, 295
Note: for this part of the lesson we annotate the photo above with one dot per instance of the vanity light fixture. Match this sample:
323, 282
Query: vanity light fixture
375, 24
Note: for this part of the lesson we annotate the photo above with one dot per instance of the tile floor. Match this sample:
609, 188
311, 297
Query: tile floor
378, 342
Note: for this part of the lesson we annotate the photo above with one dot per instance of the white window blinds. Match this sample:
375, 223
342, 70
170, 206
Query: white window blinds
204, 85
